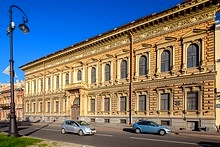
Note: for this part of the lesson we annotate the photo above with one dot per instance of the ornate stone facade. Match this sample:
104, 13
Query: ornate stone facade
101, 79
5, 100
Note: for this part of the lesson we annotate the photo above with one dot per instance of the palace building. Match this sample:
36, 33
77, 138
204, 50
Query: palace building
163, 67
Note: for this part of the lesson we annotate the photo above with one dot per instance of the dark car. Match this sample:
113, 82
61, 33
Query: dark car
79, 127
144, 126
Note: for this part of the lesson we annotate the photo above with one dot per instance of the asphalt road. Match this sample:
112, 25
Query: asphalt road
115, 138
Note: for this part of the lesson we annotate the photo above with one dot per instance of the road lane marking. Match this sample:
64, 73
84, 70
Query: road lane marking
179, 142
104, 135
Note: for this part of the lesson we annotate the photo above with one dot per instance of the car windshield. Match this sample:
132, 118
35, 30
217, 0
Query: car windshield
83, 123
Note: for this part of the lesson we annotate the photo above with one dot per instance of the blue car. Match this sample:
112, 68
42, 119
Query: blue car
144, 126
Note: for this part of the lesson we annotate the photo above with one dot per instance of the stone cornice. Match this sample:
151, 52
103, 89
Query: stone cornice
160, 83
153, 25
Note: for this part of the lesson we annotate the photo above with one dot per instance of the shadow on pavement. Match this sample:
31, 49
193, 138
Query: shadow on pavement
128, 130
208, 144
27, 134
4, 124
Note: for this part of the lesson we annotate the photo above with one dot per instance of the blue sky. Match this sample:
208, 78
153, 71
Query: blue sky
56, 24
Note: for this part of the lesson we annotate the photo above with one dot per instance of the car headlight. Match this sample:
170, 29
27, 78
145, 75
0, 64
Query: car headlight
87, 129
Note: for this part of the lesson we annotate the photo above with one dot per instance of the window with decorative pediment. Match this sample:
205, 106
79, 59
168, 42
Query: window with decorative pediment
79, 75
143, 65
193, 55
165, 61
124, 69
193, 98
165, 56
93, 75
165, 99
107, 72
193, 51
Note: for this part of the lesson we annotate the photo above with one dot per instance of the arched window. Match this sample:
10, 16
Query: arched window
143, 65
79, 75
165, 61
93, 75
107, 72
193, 56
123, 69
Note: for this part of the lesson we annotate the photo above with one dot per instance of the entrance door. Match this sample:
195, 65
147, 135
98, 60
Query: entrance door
75, 109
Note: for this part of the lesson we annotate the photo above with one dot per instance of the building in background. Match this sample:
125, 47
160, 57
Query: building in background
5, 100
161, 67
217, 60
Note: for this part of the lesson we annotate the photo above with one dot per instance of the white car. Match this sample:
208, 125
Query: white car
79, 127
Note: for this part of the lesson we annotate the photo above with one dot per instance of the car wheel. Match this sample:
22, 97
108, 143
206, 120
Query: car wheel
63, 131
162, 132
80, 133
137, 131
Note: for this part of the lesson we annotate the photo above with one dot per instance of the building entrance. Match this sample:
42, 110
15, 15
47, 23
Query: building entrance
75, 109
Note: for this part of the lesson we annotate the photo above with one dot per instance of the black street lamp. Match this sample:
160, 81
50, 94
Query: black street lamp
13, 123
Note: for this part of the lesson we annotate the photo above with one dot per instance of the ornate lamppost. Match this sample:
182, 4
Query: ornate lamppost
13, 123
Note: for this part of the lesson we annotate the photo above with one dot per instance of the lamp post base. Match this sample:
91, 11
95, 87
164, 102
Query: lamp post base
13, 132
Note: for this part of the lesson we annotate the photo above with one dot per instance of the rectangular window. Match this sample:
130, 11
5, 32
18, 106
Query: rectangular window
35, 86
28, 87
41, 107
57, 82
48, 106
49, 84
123, 103
92, 119
34, 105
142, 102
107, 121
165, 122
67, 78
123, 121
93, 75
28, 106
92, 105
107, 104
192, 100
41, 84
165, 101
57, 106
